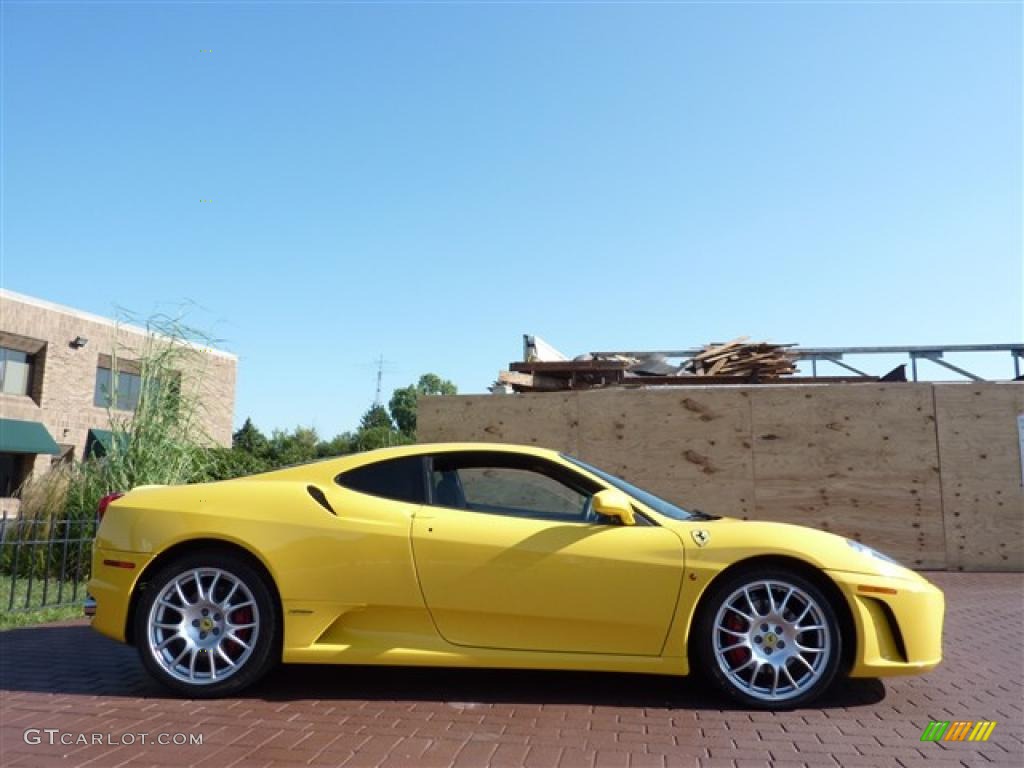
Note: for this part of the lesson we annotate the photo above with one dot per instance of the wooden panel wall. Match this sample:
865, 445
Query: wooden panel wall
929, 473
691, 446
550, 420
860, 461
983, 502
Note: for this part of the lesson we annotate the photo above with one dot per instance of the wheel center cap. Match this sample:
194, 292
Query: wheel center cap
770, 639
206, 624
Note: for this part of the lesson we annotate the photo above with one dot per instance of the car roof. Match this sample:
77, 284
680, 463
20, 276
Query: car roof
330, 466
420, 449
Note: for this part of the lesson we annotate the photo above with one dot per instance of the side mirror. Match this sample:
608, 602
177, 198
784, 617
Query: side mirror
611, 503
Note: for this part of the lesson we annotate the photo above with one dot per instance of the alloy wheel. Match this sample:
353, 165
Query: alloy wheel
203, 626
771, 640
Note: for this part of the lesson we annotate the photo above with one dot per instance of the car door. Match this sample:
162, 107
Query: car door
507, 558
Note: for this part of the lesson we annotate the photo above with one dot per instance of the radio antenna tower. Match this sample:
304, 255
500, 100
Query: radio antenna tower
380, 375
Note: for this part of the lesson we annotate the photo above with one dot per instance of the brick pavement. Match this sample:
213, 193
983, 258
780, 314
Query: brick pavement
69, 678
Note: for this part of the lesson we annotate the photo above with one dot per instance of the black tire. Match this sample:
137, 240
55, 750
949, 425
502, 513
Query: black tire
767, 651
210, 652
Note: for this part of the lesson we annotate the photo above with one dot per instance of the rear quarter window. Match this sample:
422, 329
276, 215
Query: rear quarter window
396, 479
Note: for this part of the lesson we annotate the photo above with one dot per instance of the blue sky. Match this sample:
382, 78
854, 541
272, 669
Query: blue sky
431, 181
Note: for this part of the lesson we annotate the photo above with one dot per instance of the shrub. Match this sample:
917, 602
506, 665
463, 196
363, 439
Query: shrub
160, 443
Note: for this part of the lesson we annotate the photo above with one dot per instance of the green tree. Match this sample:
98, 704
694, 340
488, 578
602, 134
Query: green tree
339, 446
403, 402
375, 418
297, 447
378, 437
432, 384
250, 440
252, 451
403, 409
226, 463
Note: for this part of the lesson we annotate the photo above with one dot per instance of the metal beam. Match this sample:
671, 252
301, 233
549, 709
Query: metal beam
936, 357
841, 364
952, 367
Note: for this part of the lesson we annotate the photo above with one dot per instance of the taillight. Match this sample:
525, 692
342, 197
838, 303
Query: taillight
105, 502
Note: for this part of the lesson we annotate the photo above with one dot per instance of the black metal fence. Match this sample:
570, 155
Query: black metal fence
43, 563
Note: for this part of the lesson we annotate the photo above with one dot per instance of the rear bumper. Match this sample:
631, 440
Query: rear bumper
898, 623
111, 588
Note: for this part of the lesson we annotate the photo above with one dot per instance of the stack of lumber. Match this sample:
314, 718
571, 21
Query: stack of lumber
758, 360
554, 375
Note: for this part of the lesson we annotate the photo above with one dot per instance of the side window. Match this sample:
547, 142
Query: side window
507, 484
519, 492
397, 479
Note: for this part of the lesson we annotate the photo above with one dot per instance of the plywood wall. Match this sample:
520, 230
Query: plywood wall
860, 461
927, 472
692, 446
983, 502
550, 421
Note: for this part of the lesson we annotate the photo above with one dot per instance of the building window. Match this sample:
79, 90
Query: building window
14, 470
128, 386
15, 371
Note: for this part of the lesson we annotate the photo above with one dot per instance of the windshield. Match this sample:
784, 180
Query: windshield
656, 503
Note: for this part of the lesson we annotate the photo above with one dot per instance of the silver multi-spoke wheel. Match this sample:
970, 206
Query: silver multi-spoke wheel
203, 626
771, 640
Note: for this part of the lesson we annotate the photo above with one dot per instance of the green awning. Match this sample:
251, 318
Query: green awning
26, 437
98, 443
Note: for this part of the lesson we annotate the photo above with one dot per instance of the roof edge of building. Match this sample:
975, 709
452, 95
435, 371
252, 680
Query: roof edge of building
6, 294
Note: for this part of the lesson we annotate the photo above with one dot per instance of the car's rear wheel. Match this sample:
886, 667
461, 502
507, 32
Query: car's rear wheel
769, 639
206, 625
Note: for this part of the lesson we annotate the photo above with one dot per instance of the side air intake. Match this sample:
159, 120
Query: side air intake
319, 498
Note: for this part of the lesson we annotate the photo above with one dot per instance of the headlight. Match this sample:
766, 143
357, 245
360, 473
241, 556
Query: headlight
865, 550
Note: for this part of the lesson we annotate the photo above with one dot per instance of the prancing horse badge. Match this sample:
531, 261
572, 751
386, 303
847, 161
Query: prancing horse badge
700, 537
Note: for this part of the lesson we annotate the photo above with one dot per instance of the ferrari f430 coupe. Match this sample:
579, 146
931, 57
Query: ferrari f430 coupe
481, 555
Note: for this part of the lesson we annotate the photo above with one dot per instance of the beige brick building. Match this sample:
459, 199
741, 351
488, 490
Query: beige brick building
55, 376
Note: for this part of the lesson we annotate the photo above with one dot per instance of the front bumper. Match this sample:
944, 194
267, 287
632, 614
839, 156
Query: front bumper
898, 623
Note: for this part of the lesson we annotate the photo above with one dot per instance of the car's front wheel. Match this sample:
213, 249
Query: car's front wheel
206, 625
768, 639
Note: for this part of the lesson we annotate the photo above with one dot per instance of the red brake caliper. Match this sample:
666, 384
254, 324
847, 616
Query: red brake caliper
242, 616
736, 656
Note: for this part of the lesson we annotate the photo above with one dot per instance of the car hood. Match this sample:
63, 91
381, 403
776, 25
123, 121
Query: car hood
728, 540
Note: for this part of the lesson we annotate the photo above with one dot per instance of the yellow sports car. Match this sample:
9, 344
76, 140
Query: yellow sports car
481, 555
